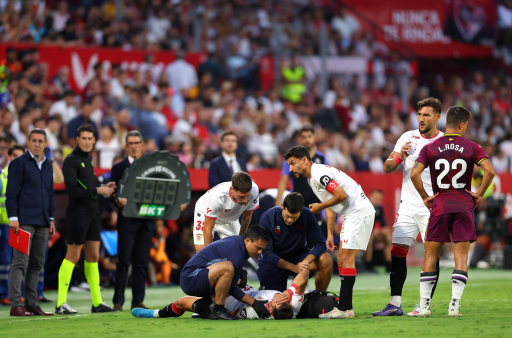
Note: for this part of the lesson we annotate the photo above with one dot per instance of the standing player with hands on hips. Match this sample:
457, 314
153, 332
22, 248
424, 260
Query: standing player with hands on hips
412, 217
451, 160
340, 194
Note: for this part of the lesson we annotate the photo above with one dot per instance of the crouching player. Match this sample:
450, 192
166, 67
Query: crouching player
215, 271
281, 306
290, 226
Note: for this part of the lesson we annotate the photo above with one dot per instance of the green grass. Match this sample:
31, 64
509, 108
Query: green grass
486, 308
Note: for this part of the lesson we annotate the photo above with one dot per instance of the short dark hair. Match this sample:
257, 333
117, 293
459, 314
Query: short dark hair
15, 147
86, 102
85, 128
111, 127
226, 133
69, 93
456, 116
284, 312
293, 202
134, 133
432, 102
378, 190
37, 131
257, 232
241, 182
305, 128
297, 152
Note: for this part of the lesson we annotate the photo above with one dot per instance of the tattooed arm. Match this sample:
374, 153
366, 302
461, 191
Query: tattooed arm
390, 165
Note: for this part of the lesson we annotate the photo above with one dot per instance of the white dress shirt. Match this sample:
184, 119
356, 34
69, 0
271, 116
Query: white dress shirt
231, 161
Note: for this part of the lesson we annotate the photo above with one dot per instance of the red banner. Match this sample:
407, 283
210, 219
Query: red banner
439, 28
82, 60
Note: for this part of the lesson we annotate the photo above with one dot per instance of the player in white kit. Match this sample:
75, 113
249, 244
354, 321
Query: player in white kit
340, 194
412, 217
219, 209
282, 306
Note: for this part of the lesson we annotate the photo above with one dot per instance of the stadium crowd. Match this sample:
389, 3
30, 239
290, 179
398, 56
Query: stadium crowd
185, 110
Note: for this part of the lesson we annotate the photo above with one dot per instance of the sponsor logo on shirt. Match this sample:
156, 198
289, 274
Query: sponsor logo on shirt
324, 180
345, 241
208, 210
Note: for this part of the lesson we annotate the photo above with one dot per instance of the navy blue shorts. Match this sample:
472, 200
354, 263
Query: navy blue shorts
274, 278
194, 282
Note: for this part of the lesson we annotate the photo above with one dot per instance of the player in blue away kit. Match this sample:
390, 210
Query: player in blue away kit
214, 271
290, 227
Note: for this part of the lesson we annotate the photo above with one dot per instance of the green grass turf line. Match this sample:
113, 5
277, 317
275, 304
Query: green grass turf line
486, 307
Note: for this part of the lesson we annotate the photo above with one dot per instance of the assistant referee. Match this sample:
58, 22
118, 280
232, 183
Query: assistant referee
83, 221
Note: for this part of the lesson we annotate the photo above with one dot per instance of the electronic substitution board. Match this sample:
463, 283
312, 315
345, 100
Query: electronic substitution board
155, 186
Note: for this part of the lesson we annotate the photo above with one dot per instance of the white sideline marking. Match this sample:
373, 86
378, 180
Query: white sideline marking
45, 318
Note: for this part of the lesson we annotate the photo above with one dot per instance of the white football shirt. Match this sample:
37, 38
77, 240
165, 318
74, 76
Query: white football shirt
410, 199
218, 203
247, 312
325, 179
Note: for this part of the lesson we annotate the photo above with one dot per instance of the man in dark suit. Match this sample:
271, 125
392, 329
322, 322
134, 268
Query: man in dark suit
134, 235
226, 164
29, 203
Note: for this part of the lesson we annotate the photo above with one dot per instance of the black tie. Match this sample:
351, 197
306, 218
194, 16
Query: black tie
230, 165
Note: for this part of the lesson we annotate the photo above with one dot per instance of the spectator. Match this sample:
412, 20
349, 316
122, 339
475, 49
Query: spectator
505, 23
61, 16
181, 76
65, 107
18, 103
158, 26
107, 147
160, 267
149, 124
30, 190
346, 25
327, 118
84, 118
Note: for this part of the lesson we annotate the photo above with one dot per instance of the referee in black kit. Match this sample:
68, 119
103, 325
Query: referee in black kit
83, 221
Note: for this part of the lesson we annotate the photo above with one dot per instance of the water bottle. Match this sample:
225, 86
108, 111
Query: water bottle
413, 145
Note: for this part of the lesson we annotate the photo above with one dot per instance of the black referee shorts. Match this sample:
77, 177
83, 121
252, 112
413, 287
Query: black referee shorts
81, 228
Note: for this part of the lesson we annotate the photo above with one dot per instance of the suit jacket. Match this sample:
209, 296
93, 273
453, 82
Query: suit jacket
219, 171
29, 193
124, 223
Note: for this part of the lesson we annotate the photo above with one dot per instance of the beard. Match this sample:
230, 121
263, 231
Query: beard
426, 130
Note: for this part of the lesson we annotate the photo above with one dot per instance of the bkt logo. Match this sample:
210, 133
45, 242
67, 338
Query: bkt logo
151, 211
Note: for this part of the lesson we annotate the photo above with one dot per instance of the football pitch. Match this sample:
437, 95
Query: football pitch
486, 307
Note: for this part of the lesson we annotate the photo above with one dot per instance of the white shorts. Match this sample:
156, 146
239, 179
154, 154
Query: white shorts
224, 230
408, 224
356, 231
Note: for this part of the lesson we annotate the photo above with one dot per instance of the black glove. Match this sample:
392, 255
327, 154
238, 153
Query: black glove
260, 309
243, 279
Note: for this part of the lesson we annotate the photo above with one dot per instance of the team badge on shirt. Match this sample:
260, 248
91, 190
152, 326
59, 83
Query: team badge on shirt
199, 236
277, 229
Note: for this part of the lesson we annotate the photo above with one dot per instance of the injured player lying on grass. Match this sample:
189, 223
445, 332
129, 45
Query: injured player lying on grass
281, 306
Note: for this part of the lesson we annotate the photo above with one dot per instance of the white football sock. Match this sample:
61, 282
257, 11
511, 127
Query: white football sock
396, 301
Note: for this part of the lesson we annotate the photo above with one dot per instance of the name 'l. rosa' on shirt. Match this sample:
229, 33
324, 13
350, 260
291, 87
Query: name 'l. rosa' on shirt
452, 146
